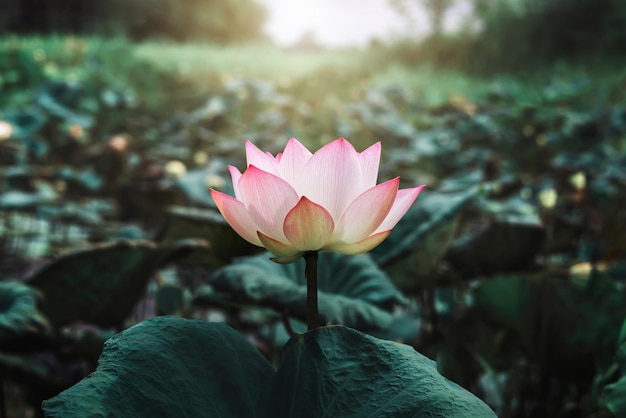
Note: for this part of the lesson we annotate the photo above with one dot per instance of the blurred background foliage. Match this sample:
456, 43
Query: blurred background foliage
496, 36
518, 35
116, 117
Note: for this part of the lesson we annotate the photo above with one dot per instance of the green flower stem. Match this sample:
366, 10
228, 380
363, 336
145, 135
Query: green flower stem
310, 273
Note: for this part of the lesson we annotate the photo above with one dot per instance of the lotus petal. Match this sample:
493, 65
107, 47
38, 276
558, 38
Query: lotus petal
326, 201
267, 198
404, 200
237, 216
308, 226
282, 249
370, 161
235, 174
332, 177
260, 159
367, 211
292, 160
358, 247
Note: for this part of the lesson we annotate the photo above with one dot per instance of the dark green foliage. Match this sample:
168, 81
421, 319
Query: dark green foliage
20, 320
568, 327
615, 393
102, 285
421, 239
170, 300
352, 290
209, 225
521, 35
540, 31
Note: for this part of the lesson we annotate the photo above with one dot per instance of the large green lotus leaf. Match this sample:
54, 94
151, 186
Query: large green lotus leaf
209, 225
421, 238
101, 285
352, 290
20, 320
339, 372
171, 367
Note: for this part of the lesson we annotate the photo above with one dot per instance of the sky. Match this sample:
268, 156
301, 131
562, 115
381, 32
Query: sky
333, 23
338, 23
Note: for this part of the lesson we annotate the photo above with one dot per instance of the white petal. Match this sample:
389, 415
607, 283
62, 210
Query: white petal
332, 177
370, 161
235, 174
358, 247
404, 200
292, 160
367, 212
260, 159
267, 198
237, 216
279, 248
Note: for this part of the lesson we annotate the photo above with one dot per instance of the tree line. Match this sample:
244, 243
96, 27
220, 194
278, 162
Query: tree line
180, 20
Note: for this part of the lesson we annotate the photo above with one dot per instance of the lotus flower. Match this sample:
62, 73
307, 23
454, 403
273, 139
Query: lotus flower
328, 201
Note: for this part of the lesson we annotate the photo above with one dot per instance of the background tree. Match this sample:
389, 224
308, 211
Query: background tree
181, 20
436, 10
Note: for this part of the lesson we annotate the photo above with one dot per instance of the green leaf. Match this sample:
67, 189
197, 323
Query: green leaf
614, 393
421, 238
148, 200
615, 397
208, 225
568, 326
352, 290
102, 285
339, 372
171, 367
56, 97
621, 340
18, 200
19, 317
170, 300
26, 124
497, 247
508, 301
196, 184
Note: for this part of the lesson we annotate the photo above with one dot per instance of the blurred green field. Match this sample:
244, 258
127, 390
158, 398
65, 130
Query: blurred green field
148, 67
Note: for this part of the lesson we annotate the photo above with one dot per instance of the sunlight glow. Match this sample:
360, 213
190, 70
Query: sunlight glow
332, 23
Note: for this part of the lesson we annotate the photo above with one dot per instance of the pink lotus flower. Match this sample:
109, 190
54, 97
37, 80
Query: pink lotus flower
328, 201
